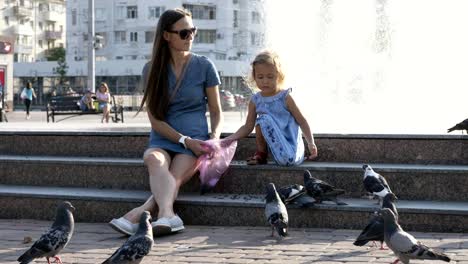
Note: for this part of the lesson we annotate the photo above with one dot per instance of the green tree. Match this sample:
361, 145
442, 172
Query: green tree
55, 54
58, 54
61, 70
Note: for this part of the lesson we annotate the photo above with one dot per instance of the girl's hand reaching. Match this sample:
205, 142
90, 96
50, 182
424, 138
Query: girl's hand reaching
312, 150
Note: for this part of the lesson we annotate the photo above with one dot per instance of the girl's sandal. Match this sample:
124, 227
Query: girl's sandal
258, 158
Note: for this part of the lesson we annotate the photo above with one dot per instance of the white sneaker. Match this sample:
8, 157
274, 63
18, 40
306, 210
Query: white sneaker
28, 117
123, 226
165, 225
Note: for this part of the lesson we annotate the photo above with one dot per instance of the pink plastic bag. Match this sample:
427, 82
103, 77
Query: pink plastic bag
213, 165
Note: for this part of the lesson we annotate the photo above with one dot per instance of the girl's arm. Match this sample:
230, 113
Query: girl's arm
165, 130
216, 114
249, 125
33, 93
303, 124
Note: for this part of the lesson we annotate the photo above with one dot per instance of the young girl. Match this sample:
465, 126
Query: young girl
275, 116
104, 98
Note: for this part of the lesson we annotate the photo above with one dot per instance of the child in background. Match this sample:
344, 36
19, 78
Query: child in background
87, 102
275, 116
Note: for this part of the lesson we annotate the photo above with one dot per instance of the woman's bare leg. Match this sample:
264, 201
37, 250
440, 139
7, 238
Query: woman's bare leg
156, 160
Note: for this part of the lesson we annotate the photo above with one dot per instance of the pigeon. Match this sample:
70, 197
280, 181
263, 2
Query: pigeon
295, 194
275, 212
403, 244
460, 126
375, 183
55, 239
320, 190
374, 231
137, 246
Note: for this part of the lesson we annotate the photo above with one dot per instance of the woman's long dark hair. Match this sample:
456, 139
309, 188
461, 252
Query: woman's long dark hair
156, 95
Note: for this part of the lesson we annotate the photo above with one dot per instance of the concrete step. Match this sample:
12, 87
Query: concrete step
131, 143
96, 205
409, 182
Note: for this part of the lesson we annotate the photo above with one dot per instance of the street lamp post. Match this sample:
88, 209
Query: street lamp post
91, 51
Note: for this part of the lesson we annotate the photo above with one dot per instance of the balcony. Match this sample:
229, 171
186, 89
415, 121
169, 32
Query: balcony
49, 34
24, 49
53, 15
22, 30
22, 11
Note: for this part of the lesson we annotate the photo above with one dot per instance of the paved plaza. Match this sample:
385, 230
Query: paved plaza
94, 242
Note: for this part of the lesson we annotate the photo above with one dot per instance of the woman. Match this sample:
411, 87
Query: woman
27, 95
103, 97
179, 85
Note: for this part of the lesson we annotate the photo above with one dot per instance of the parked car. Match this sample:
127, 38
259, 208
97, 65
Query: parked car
228, 101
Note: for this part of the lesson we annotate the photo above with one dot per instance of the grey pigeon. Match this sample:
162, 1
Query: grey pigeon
320, 190
374, 231
275, 211
460, 126
291, 192
403, 244
375, 183
295, 194
55, 239
137, 246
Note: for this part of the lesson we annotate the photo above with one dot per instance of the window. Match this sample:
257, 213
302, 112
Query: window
255, 17
256, 39
155, 11
235, 20
149, 36
119, 57
41, 26
201, 11
205, 36
119, 37
7, 21
100, 14
40, 44
132, 12
120, 12
73, 17
235, 2
133, 36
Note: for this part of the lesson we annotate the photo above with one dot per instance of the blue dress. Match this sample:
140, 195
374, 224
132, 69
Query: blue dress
279, 128
187, 110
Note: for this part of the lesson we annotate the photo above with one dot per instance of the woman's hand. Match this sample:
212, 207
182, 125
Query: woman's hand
197, 146
312, 150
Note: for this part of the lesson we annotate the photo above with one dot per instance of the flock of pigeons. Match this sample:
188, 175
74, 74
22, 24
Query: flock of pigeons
57, 237
383, 225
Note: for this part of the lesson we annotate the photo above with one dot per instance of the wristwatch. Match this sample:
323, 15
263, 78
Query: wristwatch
182, 141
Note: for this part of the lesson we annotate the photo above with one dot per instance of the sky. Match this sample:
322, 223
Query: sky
374, 66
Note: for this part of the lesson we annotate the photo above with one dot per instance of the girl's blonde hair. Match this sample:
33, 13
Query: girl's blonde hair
266, 57
105, 86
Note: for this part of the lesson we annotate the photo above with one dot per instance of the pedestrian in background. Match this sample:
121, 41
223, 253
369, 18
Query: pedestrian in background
104, 98
27, 95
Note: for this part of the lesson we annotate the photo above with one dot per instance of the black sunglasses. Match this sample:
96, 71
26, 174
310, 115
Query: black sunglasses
184, 33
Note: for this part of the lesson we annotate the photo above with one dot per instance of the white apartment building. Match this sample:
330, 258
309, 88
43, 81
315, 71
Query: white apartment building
227, 29
230, 32
36, 26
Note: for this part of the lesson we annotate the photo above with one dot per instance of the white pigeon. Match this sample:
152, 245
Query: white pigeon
375, 183
137, 246
275, 211
403, 244
55, 239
